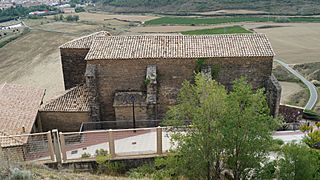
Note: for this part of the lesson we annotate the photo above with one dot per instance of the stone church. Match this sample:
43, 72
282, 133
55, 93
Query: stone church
120, 78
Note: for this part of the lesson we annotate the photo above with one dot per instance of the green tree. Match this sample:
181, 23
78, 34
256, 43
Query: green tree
229, 132
247, 129
294, 162
200, 149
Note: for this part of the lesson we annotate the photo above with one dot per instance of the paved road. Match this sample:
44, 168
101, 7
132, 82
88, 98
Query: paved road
312, 88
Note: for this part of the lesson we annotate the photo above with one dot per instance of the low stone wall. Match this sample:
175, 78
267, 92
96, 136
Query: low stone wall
63, 121
290, 113
273, 93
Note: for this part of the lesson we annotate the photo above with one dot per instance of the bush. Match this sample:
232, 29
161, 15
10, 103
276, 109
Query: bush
305, 128
313, 139
145, 170
101, 152
72, 18
79, 9
17, 174
85, 155
282, 20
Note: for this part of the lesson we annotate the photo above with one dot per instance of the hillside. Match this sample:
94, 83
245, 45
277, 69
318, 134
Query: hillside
300, 7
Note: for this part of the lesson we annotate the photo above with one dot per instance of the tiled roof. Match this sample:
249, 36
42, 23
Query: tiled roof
85, 41
74, 100
18, 110
179, 46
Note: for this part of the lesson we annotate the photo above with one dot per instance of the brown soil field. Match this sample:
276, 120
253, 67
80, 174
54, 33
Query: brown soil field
289, 89
296, 43
100, 17
73, 28
34, 60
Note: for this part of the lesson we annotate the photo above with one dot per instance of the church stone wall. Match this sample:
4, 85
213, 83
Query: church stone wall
273, 92
129, 75
73, 66
63, 121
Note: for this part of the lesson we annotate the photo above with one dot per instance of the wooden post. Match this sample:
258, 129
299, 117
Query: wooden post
111, 144
63, 148
50, 146
56, 145
159, 140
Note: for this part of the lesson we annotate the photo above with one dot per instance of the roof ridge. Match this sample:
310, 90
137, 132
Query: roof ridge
152, 46
83, 37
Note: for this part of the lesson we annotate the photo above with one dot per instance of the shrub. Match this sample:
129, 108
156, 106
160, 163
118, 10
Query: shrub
145, 170
282, 20
313, 139
199, 65
17, 174
101, 152
304, 128
85, 155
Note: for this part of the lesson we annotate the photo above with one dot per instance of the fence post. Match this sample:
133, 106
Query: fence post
63, 147
159, 140
50, 146
111, 144
56, 145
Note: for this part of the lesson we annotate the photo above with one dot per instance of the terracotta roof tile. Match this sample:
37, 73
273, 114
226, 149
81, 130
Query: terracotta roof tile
18, 108
85, 41
179, 46
74, 100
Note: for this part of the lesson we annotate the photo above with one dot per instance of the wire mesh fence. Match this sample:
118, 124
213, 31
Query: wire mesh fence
62, 147
27, 147
117, 143
83, 144
119, 124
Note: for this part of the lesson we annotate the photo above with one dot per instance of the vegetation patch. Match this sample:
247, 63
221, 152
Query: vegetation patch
223, 20
299, 99
7, 40
223, 30
282, 74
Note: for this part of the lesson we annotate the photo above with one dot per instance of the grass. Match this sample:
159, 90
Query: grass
13, 37
223, 30
222, 20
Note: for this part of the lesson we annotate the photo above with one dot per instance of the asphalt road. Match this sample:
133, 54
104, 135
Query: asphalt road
312, 88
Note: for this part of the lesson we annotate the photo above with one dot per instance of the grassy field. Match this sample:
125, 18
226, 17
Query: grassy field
224, 30
223, 20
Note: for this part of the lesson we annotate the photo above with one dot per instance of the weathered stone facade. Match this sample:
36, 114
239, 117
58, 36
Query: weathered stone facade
273, 93
63, 121
171, 73
73, 66
155, 67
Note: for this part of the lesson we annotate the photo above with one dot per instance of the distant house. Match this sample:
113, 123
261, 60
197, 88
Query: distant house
19, 107
148, 70
68, 10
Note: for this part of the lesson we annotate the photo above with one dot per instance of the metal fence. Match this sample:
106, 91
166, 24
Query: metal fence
119, 124
54, 146
28, 147
117, 143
